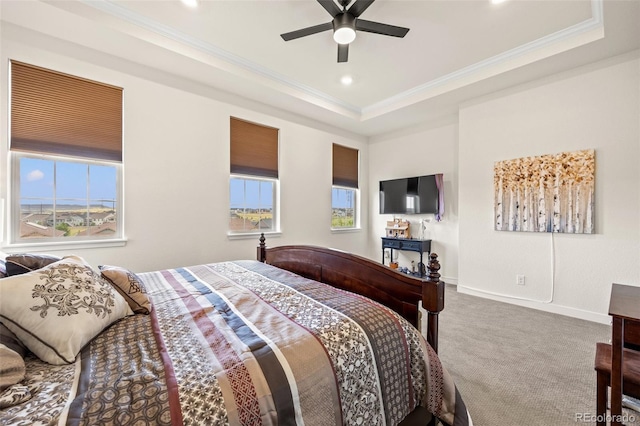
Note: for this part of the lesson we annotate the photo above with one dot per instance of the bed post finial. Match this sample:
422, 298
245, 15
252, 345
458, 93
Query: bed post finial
433, 299
433, 267
262, 249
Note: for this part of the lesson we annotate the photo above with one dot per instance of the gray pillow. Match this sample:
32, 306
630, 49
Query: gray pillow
11, 341
17, 264
12, 368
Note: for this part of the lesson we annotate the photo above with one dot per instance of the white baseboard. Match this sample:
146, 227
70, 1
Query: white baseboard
547, 307
449, 280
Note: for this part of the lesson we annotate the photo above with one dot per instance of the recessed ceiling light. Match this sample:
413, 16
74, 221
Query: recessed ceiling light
190, 3
346, 80
498, 1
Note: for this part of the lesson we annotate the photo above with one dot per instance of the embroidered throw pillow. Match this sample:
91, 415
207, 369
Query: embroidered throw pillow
129, 286
58, 309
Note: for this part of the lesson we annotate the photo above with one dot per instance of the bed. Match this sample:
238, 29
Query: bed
302, 335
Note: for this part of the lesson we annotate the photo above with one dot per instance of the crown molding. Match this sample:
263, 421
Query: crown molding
576, 35
303, 91
571, 37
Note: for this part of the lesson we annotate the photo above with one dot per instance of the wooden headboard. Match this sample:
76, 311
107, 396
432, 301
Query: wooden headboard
398, 291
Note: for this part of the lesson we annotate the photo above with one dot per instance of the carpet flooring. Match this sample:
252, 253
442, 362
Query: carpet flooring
519, 366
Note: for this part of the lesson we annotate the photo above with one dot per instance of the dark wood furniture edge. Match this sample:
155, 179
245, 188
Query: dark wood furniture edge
624, 309
351, 272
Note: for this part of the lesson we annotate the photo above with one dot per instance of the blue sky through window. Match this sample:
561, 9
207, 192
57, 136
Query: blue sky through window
37, 180
342, 198
258, 194
251, 193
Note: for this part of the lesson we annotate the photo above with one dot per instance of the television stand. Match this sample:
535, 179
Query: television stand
407, 244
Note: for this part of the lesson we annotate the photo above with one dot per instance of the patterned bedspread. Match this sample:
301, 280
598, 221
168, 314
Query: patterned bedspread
245, 343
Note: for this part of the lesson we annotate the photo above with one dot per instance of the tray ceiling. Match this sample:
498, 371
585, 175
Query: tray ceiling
454, 50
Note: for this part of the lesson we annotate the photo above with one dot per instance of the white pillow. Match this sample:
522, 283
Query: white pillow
58, 309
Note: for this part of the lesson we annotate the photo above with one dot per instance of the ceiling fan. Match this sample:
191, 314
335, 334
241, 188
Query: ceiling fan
345, 23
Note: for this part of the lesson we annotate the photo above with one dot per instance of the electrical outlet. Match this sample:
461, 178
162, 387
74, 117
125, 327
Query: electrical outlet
520, 279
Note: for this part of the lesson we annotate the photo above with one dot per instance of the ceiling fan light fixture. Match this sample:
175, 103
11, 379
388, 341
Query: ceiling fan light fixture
344, 28
345, 23
344, 35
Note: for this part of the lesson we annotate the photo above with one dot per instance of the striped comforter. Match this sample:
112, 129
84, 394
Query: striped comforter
245, 343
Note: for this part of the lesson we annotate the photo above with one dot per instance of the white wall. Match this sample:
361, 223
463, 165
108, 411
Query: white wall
596, 106
592, 107
176, 151
421, 152
176, 163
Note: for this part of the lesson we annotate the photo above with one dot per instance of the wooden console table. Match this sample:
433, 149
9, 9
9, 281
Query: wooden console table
407, 244
624, 307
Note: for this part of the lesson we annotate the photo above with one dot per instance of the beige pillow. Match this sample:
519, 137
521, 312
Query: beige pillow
129, 286
58, 309
12, 369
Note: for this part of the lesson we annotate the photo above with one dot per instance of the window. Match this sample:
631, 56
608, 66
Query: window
254, 178
344, 193
64, 198
252, 202
66, 157
343, 207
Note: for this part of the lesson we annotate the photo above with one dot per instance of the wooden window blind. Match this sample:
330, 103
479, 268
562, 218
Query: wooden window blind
60, 114
345, 166
254, 149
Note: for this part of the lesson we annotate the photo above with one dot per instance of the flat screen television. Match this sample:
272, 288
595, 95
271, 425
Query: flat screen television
413, 195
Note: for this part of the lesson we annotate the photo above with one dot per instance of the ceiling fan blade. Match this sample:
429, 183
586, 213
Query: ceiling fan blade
359, 6
343, 52
330, 7
379, 28
307, 31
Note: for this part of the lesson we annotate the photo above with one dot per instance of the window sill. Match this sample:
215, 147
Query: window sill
344, 230
253, 235
63, 245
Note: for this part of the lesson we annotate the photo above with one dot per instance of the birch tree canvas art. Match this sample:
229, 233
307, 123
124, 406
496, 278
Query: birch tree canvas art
548, 193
